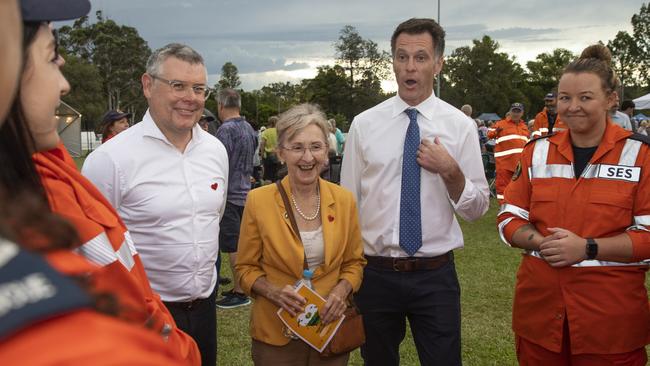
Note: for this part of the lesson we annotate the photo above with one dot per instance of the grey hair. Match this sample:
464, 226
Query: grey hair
229, 98
467, 109
299, 117
177, 50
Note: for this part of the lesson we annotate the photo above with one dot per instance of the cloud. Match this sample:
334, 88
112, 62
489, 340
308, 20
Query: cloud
275, 38
521, 34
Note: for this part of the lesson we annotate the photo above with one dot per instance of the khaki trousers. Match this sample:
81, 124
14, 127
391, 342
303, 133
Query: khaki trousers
294, 353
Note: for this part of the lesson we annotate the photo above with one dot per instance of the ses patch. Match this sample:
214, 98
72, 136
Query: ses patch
619, 172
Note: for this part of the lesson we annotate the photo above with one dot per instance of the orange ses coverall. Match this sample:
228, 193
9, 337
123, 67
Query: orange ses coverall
46, 318
107, 243
605, 303
540, 126
510, 138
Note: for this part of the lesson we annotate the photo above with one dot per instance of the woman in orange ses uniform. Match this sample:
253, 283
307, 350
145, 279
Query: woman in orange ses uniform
580, 208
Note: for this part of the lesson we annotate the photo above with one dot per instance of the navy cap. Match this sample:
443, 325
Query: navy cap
114, 115
550, 96
517, 106
53, 10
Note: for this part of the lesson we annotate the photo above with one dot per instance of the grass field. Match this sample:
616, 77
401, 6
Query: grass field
486, 269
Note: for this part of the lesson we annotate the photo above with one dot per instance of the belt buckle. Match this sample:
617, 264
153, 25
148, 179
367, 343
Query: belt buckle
405, 262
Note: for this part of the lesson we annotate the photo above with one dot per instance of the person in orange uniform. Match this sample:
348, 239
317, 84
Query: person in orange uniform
46, 318
106, 242
579, 205
511, 135
104, 238
547, 121
59, 324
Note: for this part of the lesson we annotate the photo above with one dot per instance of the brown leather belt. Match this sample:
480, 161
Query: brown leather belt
409, 264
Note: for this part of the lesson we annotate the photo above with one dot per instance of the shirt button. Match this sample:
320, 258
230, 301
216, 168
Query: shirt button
558, 316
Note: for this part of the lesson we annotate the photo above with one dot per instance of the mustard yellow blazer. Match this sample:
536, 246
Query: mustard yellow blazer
269, 247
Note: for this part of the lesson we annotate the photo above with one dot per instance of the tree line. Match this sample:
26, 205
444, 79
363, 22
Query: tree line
104, 62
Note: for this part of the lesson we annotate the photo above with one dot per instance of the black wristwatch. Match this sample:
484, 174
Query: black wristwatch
591, 249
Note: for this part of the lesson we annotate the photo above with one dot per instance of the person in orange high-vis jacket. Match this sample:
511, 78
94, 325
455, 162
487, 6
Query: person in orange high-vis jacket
580, 208
547, 121
63, 328
511, 135
106, 242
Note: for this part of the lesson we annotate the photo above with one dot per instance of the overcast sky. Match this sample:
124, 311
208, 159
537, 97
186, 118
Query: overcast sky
285, 40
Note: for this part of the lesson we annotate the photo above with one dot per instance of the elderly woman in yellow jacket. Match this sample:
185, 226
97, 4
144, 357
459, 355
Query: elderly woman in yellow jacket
271, 256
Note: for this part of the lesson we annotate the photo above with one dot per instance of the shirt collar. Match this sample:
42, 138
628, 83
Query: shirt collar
151, 129
426, 108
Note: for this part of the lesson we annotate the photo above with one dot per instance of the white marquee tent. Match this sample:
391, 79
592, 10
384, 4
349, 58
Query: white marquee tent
642, 102
70, 128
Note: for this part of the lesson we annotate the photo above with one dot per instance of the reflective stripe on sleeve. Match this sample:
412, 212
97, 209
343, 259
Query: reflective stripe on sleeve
515, 210
98, 250
639, 228
508, 152
129, 241
125, 256
502, 225
642, 220
511, 137
592, 262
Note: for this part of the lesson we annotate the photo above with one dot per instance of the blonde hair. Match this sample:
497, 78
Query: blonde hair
297, 118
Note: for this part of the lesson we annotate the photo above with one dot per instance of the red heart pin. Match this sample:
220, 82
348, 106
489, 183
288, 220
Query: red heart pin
330, 218
214, 186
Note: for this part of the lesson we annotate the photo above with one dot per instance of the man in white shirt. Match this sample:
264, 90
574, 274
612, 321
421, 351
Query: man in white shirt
412, 162
619, 117
167, 178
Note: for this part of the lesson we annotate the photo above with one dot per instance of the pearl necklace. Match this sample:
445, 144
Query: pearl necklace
308, 218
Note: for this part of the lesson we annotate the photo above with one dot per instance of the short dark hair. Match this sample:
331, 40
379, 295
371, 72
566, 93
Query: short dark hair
627, 104
229, 98
418, 26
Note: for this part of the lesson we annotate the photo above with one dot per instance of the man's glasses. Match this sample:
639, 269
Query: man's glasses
180, 88
299, 150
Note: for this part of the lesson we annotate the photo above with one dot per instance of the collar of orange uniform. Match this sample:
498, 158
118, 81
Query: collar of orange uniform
612, 135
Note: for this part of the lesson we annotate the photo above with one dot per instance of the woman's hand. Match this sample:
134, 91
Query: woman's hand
562, 248
335, 305
287, 298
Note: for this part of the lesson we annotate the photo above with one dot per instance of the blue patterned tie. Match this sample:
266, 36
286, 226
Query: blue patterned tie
410, 217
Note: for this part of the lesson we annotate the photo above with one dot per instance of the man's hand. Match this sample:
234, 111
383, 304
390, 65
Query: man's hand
562, 248
433, 157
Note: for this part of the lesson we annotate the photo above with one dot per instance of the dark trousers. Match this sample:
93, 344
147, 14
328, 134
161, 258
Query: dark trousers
429, 299
199, 321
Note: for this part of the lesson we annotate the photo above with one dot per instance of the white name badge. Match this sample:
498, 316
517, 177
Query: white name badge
619, 172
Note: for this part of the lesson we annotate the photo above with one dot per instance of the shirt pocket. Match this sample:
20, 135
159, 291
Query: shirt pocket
543, 203
610, 209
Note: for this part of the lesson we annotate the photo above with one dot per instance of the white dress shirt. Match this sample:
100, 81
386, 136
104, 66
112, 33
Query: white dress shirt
372, 170
622, 120
170, 201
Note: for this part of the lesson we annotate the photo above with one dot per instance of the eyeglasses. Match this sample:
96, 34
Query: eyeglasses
299, 150
179, 88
